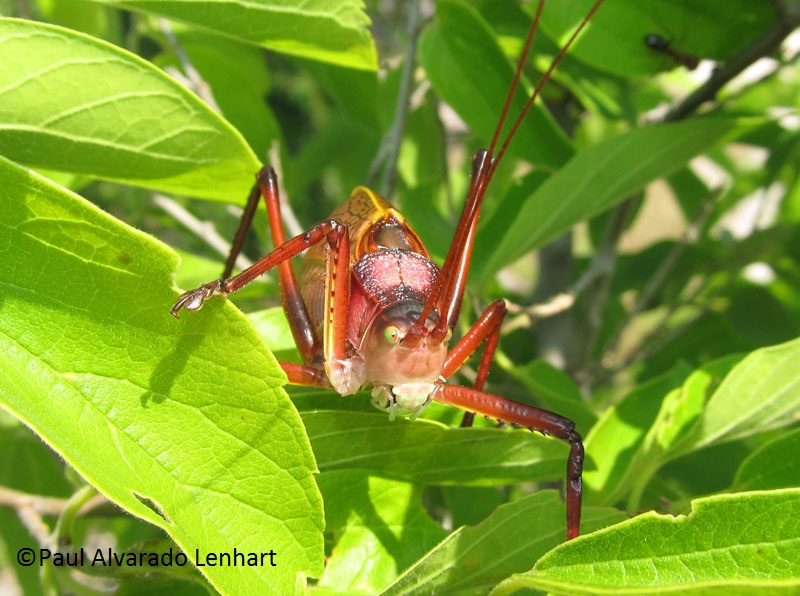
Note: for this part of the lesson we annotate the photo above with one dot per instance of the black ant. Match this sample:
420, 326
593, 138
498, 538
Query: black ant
659, 44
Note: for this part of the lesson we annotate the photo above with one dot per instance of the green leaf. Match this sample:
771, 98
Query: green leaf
457, 45
74, 103
379, 528
776, 464
28, 465
238, 80
746, 543
618, 436
473, 559
761, 393
680, 410
182, 423
597, 178
431, 453
274, 329
322, 30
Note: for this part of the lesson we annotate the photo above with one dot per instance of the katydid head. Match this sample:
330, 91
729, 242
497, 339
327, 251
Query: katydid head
404, 374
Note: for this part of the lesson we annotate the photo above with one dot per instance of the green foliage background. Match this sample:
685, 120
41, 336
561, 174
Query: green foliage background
675, 244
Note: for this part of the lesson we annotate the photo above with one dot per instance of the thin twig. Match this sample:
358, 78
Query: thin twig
20, 500
596, 295
193, 81
205, 230
31, 510
665, 268
761, 47
558, 303
653, 341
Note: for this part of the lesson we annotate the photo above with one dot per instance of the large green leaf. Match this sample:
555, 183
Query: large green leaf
74, 103
774, 465
431, 453
238, 80
597, 178
379, 529
717, 403
470, 72
333, 32
761, 393
182, 423
746, 543
472, 560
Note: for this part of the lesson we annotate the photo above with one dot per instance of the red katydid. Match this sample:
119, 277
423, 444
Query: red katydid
370, 309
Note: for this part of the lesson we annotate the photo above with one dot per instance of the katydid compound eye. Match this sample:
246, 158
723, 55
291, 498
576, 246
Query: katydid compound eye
391, 334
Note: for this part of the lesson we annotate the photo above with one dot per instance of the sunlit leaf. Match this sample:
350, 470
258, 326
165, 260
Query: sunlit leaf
74, 103
597, 178
379, 527
743, 543
473, 559
169, 419
761, 393
316, 29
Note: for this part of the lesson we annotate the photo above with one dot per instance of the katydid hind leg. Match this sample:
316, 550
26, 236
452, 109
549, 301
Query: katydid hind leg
309, 345
534, 419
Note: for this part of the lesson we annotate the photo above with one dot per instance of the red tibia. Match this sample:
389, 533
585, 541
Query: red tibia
194, 299
505, 410
305, 338
548, 423
486, 328
302, 330
281, 254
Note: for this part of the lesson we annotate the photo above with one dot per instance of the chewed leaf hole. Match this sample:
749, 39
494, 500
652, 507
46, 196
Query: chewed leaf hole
153, 506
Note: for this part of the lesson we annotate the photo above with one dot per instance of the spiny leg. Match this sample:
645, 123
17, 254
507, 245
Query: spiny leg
535, 419
331, 231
